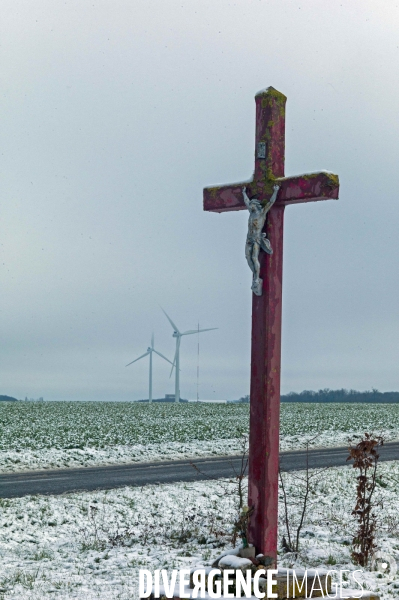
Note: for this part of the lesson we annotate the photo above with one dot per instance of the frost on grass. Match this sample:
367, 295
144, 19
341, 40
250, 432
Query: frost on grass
90, 546
73, 434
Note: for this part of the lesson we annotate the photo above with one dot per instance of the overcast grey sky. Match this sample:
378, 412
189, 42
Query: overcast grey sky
115, 115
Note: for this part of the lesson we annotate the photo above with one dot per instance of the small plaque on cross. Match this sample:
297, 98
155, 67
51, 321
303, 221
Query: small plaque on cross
261, 150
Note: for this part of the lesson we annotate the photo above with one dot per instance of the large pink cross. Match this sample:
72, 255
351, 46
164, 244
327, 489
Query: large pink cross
266, 309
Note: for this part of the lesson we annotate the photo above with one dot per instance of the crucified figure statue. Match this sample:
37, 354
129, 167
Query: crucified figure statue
256, 239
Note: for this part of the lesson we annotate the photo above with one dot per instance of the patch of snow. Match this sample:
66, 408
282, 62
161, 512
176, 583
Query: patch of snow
234, 562
90, 546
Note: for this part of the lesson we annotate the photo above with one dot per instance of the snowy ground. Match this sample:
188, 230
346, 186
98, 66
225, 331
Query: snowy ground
90, 545
41, 435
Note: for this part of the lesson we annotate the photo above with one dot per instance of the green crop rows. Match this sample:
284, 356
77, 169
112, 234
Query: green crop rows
68, 425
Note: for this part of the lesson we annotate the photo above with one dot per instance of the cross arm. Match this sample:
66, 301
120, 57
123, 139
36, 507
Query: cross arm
300, 188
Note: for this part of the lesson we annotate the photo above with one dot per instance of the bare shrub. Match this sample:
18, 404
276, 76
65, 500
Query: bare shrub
238, 487
305, 487
365, 458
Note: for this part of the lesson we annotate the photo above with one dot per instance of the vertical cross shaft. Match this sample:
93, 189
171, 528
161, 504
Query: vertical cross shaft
266, 336
266, 309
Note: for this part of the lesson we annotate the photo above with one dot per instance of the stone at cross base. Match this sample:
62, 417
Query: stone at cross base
267, 307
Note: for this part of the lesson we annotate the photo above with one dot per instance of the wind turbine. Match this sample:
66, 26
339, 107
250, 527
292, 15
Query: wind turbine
150, 350
176, 361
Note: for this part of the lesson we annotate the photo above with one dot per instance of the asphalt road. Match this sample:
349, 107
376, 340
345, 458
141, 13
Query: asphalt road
61, 481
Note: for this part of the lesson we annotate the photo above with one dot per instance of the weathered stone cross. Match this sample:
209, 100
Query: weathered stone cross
266, 308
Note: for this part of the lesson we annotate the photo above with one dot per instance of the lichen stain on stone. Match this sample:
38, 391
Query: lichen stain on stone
267, 135
272, 98
333, 180
213, 191
271, 92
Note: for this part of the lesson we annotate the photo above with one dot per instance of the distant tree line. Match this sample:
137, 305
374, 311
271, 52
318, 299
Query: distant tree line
4, 398
327, 395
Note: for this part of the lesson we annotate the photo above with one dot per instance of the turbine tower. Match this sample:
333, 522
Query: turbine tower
150, 350
176, 361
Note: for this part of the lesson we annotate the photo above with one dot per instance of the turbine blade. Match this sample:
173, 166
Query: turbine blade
176, 353
173, 366
152, 341
170, 321
191, 331
133, 361
162, 356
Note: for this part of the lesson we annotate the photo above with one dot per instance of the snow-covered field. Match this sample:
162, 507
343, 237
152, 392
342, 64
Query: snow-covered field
90, 546
37, 435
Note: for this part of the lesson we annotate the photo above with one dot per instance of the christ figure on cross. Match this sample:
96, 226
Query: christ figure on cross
255, 238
